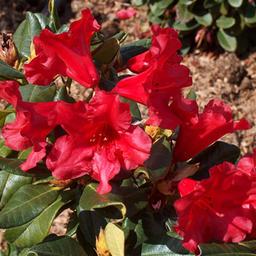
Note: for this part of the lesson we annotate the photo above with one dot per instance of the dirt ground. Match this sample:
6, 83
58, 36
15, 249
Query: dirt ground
223, 76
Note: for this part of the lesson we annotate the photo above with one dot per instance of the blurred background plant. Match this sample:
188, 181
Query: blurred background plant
229, 24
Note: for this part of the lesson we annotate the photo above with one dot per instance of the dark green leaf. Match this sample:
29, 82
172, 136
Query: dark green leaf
226, 250
37, 229
9, 73
130, 50
159, 160
62, 246
62, 94
114, 204
3, 115
215, 154
249, 14
26, 204
227, 42
26, 31
225, 22
91, 222
10, 183
36, 93
106, 52
13, 166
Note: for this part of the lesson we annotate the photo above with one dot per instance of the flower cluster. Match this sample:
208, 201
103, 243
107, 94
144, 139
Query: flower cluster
221, 208
98, 137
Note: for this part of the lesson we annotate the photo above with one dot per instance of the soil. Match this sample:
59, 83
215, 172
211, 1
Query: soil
222, 76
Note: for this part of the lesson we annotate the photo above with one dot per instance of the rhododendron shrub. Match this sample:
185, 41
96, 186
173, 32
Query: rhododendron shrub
134, 160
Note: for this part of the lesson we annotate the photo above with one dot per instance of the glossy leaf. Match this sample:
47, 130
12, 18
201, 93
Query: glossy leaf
115, 246
9, 73
90, 200
215, 154
130, 50
26, 31
166, 247
35, 93
37, 229
229, 43
26, 204
226, 250
121, 201
106, 52
61, 246
10, 183
159, 160
12, 165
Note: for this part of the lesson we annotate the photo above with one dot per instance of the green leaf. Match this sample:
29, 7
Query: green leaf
134, 109
115, 246
90, 224
166, 247
106, 52
36, 93
138, 2
186, 26
205, 20
183, 13
91, 200
159, 7
215, 154
225, 22
26, 31
26, 204
62, 246
4, 150
209, 3
10, 183
226, 250
37, 229
54, 20
249, 14
9, 73
62, 94
13, 166
3, 115
235, 3
130, 50
159, 160
227, 42
116, 204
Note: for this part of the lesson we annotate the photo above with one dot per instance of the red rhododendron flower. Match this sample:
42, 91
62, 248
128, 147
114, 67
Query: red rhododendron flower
218, 209
160, 80
33, 123
100, 142
205, 128
66, 54
126, 14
